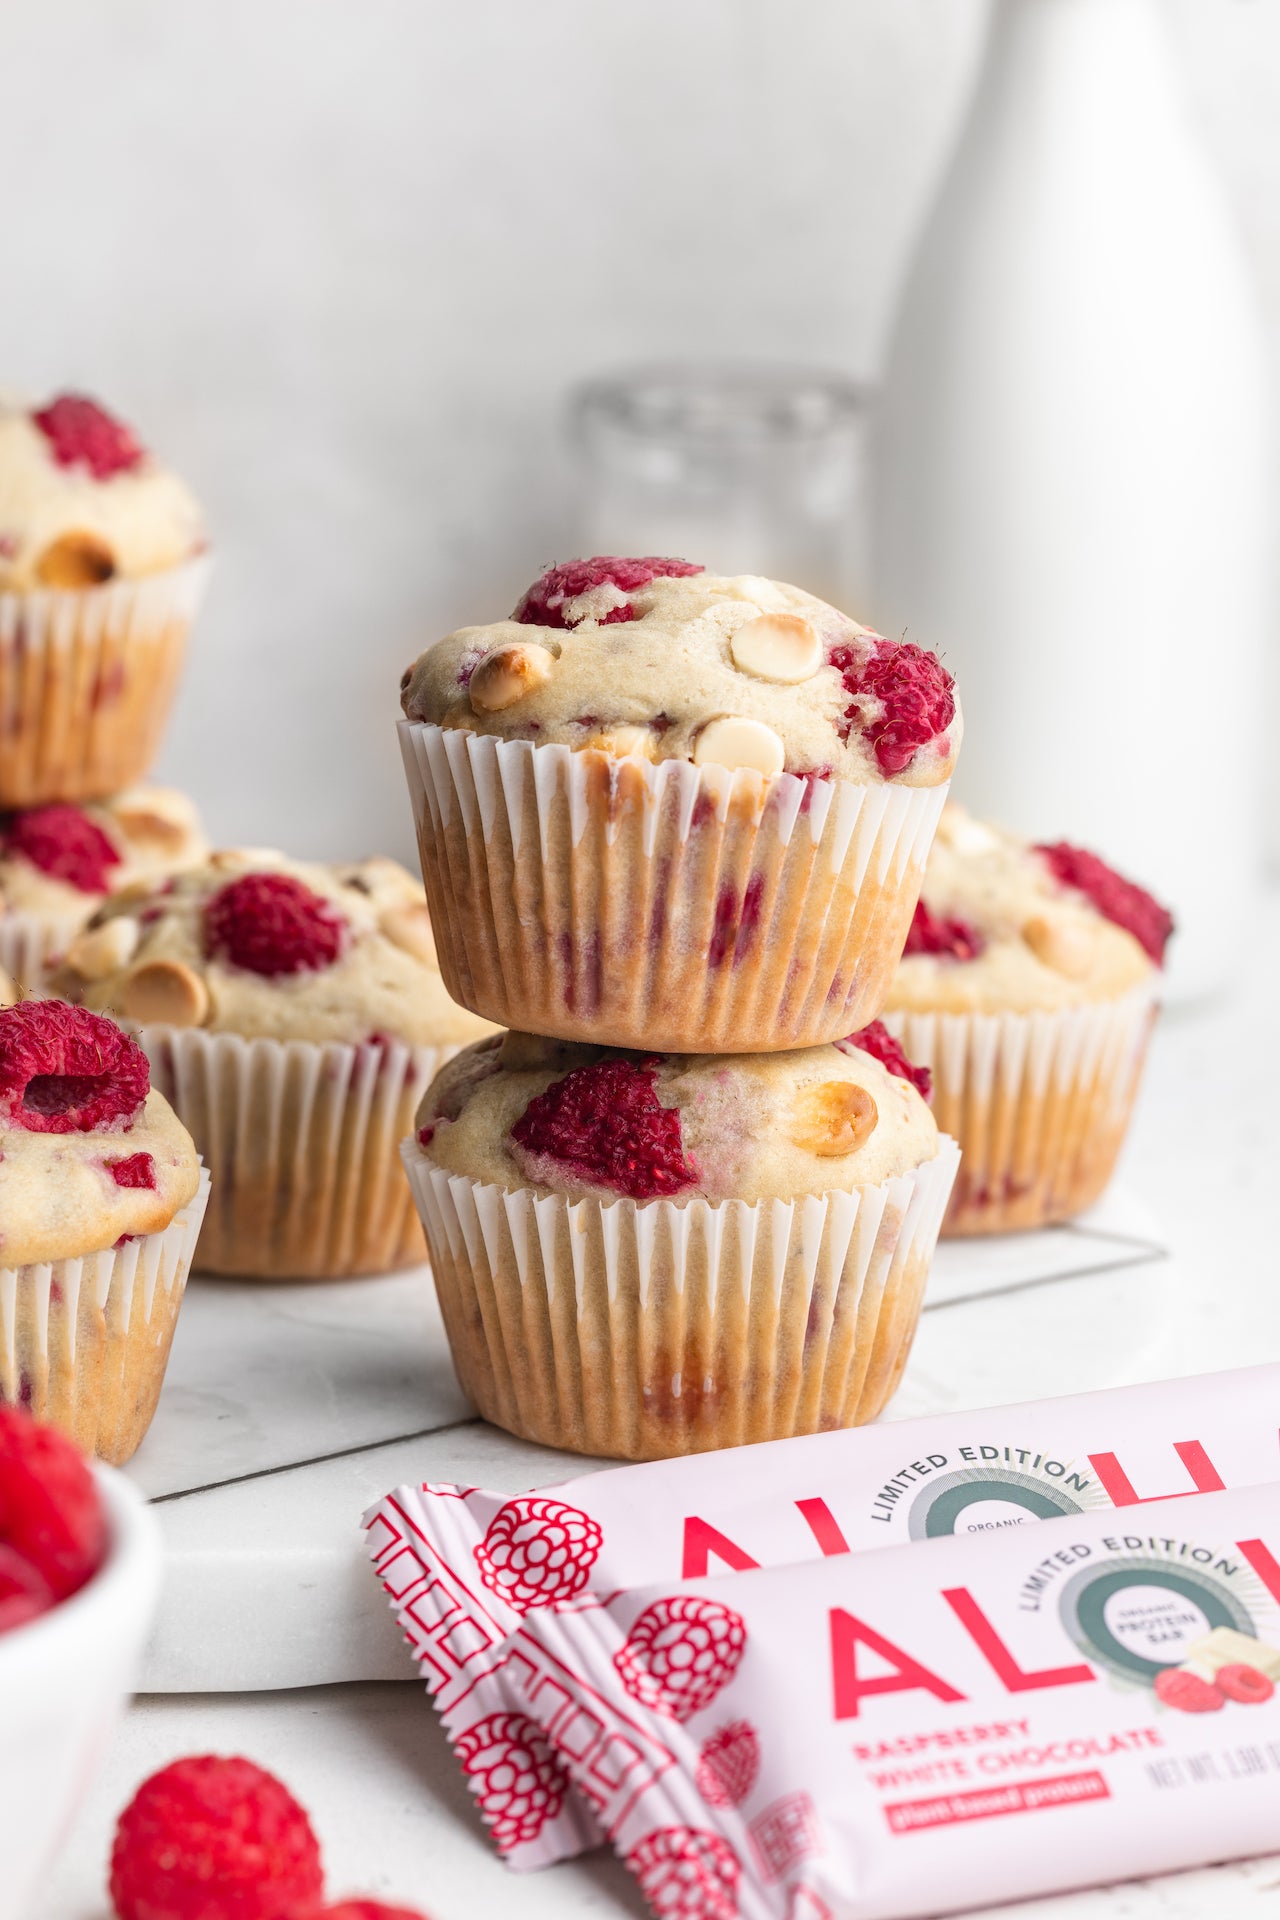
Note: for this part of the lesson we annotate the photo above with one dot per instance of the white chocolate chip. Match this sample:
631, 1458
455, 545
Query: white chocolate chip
507, 676
409, 928
99, 951
626, 743
247, 857
777, 646
960, 830
165, 993
833, 1119
75, 560
1064, 945
734, 742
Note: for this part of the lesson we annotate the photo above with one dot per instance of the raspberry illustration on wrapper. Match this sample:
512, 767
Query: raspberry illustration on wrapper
680, 1653
538, 1552
729, 1764
516, 1778
687, 1874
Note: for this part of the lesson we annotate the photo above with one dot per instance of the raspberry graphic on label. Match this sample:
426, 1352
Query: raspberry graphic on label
877, 1040
687, 1874
83, 434
65, 1070
1187, 1691
270, 923
514, 1775
544, 603
931, 933
728, 1764
537, 1552
680, 1653
1121, 901
1247, 1685
65, 844
900, 697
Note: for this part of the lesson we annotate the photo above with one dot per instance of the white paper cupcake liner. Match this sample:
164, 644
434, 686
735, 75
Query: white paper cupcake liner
644, 1331
31, 942
1039, 1103
84, 1343
87, 678
301, 1140
679, 908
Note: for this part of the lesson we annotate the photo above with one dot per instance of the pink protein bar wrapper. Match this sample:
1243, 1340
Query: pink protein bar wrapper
463, 1567
913, 1732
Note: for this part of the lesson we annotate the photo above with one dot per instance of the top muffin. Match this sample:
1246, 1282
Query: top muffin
1005, 926
659, 659
83, 502
256, 944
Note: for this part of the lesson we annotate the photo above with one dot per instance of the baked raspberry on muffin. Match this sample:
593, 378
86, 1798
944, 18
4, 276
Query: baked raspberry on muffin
663, 807
59, 862
101, 1198
1029, 986
101, 568
641, 1254
293, 1013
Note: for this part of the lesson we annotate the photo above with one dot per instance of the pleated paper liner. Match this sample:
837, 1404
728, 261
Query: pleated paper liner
84, 1343
1038, 1102
31, 942
87, 678
302, 1142
674, 908
643, 1331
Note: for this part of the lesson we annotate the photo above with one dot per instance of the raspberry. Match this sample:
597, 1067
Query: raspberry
605, 1123
680, 1653
687, 1874
24, 1594
64, 843
136, 1170
1247, 1685
877, 1040
543, 604
65, 1070
1117, 899
1187, 1691
955, 938
537, 1552
367, 1910
81, 433
270, 923
914, 692
514, 1775
728, 1764
214, 1839
50, 1514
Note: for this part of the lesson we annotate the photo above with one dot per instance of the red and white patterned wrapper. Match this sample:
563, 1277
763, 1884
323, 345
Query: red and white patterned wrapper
938, 1727
464, 1568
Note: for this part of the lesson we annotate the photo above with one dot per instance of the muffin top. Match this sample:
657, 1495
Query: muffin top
257, 944
59, 861
83, 502
519, 1111
658, 658
1004, 926
88, 1153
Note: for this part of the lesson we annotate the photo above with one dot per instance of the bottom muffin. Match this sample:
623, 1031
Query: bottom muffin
641, 1255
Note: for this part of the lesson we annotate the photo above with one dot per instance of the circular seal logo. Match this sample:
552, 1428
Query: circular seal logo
1136, 1617
985, 1500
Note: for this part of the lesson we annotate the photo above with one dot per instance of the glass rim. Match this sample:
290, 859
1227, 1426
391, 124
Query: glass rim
709, 401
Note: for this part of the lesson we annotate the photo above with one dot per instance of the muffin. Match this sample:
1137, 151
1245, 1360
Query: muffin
642, 1254
101, 569
662, 808
293, 1013
101, 1198
57, 864
1029, 986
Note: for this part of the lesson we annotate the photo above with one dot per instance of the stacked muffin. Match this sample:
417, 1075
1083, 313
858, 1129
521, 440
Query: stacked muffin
673, 828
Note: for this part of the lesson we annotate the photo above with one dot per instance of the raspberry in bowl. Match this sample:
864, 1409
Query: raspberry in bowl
662, 807
101, 1199
80, 1565
643, 1254
294, 1014
1029, 986
102, 564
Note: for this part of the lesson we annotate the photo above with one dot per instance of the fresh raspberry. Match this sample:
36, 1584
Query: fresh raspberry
1187, 1691
270, 923
687, 1874
65, 1070
1117, 899
1247, 1685
136, 1170
50, 1514
24, 1594
877, 1040
543, 604
516, 1778
82, 434
728, 1764
537, 1552
900, 697
214, 1839
426, 1134
955, 938
605, 1124
680, 1653
64, 843
367, 1910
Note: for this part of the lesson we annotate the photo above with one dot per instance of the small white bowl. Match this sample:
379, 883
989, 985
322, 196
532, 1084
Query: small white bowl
64, 1680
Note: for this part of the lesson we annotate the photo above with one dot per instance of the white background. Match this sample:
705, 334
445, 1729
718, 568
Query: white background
339, 259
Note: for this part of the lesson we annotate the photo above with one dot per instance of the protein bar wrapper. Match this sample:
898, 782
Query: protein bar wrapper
917, 1731
462, 1567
